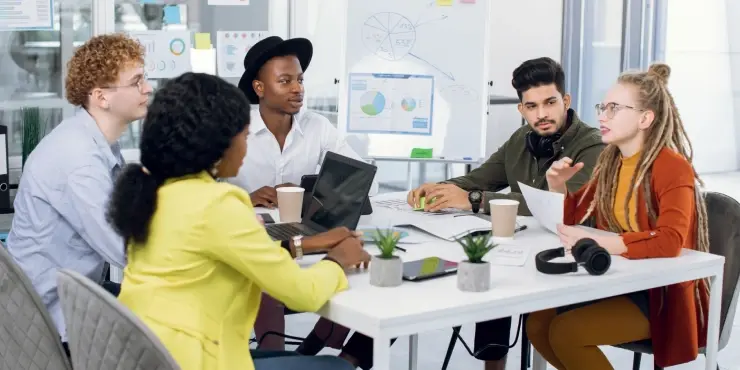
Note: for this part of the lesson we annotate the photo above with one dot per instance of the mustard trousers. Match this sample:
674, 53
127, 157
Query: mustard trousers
570, 340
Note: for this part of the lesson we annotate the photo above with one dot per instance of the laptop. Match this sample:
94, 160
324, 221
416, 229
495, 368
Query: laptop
309, 181
337, 199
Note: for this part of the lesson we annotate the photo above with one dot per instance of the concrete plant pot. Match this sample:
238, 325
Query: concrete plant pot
474, 277
386, 272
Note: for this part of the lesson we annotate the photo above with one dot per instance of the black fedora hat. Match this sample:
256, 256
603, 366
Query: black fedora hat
265, 50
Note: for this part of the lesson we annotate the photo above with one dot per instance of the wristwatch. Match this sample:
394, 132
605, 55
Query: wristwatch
475, 198
298, 245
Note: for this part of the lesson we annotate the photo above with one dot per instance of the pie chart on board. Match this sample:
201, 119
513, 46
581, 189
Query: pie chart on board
372, 103
408, 104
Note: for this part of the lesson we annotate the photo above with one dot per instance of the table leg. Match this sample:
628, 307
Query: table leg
413, 351
715, 305
381, 353
409, 178
539, 362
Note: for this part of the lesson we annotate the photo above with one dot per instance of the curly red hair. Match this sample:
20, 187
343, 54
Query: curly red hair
98, 63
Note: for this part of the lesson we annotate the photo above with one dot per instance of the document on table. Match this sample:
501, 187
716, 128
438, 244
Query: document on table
546, 206
448, 227
509, 255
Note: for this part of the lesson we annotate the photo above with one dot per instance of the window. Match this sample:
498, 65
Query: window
601, 54
321, 21
32, 69
705, 76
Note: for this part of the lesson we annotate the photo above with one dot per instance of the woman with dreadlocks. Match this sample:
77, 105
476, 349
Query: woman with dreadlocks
644, 189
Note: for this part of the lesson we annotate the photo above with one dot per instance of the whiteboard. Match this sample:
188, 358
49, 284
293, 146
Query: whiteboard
421, 37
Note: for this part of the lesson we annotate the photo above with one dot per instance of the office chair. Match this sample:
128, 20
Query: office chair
723, 214
103, 333
28, 337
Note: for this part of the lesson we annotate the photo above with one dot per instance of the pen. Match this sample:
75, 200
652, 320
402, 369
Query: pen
401, 249
520, 228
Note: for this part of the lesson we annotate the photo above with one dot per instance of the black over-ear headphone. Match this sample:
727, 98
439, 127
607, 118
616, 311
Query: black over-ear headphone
541, 146
595, 259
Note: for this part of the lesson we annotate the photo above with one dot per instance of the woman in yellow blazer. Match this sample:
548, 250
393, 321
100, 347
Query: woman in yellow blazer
198, 258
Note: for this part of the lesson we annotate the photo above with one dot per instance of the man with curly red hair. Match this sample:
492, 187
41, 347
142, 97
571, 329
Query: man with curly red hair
59, 220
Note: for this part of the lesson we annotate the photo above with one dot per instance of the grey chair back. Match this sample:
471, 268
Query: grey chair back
29, 339
103, 334
723, 214
723, 218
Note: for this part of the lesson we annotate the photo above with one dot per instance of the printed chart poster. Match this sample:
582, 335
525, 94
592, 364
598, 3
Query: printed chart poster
390, 103
231, 47
167, 52
26, 15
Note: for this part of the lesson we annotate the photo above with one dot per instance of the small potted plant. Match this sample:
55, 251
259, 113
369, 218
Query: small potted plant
386, 269
474, 274
32, 131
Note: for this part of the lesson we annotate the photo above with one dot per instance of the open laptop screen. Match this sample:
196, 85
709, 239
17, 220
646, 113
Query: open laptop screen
340, 192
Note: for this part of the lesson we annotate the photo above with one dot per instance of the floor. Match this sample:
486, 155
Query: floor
433, 345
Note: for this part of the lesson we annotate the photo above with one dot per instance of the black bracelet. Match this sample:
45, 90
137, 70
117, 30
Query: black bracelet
327, 258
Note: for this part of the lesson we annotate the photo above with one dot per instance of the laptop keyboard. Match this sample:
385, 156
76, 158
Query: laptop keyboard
287, 231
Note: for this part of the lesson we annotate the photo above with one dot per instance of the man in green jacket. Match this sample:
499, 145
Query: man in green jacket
554, 131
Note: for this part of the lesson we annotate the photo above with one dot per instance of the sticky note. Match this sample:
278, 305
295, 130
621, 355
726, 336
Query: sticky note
423, 203
171, 14
444, 2
202, 40
421, 153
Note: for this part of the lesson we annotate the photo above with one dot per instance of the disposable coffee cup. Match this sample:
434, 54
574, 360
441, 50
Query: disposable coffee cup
503, 219
290, 202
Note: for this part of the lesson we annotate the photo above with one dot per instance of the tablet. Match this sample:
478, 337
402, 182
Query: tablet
428, 268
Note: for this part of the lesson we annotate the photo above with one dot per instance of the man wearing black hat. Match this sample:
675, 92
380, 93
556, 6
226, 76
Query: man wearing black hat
285, 142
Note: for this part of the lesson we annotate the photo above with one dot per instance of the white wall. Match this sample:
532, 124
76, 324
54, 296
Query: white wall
520, 30
702, 78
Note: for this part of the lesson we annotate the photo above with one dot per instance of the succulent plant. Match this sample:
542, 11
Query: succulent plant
386, 242
31, 131
476, 247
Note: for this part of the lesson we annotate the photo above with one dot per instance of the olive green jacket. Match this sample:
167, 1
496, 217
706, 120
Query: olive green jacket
513, 163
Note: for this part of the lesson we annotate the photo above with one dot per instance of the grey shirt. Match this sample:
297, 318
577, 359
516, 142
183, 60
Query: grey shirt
59, 220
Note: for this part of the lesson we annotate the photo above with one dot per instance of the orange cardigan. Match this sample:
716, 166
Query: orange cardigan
676, 323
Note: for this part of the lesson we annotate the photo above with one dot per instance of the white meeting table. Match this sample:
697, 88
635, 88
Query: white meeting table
417, 307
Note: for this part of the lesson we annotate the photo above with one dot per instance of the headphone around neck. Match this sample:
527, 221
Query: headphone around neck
541, 146
595, 259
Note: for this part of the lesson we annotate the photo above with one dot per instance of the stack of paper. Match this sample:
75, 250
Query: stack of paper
448, 227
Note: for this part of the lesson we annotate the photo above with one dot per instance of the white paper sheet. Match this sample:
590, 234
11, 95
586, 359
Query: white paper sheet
448, 227
509, 255
26, 15
546, 206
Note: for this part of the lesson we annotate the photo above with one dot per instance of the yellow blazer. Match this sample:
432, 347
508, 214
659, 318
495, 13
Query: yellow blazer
197, 280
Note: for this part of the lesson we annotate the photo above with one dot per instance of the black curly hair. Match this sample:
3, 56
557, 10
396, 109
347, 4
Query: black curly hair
538, 72
188, 127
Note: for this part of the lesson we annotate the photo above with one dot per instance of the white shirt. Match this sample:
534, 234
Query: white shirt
310, 138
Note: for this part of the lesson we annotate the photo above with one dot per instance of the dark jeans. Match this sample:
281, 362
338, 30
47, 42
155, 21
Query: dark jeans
495, 332
110, 287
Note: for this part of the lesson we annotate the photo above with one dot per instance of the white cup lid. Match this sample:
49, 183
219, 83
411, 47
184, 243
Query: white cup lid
503, 202
290, 189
